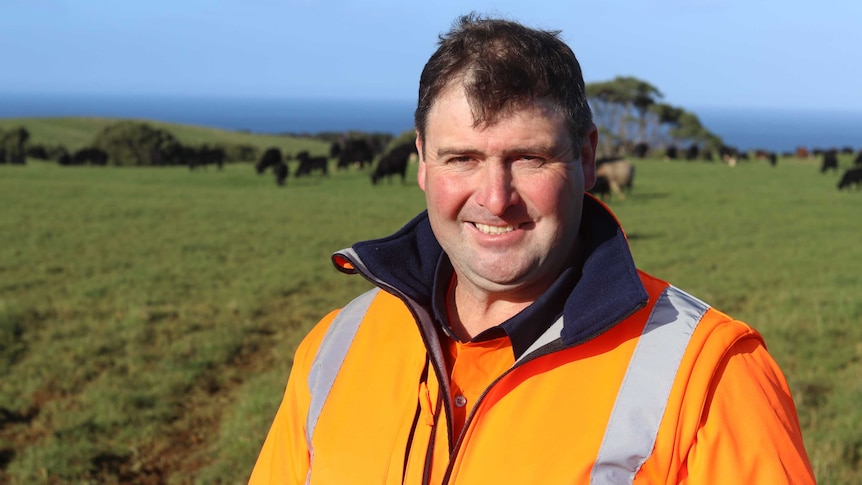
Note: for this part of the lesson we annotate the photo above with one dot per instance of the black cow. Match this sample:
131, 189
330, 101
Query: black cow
307, 164
602, 188
269, 158
279, 169
692, 152
357, 151
671, 152
830, 161
640, 150
88, 155
773, 158
727, 153
394, 163
853, 176
858, 160
206, 155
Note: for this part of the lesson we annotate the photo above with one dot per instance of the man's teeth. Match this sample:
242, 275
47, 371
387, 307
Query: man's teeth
487, 229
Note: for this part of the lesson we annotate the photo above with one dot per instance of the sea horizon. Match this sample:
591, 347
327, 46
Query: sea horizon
772, 129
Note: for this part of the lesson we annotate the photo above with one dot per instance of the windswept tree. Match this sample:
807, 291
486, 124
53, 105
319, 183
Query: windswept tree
685, 127
628, 112
620, 109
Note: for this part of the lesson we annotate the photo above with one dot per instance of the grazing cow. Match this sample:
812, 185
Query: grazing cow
88, 155
728, 154
671, 152
356, 151
769, 156
269, 158
279, 169
602, 188
307, 164
64, 159
830, 161
692, 152
204, 156
773, 158
640, 150
802, 152
619, 172
394, 163
853, 176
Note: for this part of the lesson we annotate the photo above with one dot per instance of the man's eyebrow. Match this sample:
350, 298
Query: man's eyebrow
518, 150
446, 151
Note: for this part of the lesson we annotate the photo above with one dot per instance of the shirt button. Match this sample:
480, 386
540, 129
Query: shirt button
460, 401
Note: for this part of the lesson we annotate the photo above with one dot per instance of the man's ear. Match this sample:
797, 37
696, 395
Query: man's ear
588, 157
420, 175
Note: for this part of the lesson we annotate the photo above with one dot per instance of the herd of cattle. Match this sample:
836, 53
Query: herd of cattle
615, 175
349, 153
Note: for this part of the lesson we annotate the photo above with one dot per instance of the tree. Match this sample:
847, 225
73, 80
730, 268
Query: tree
13, 146
620, 109
628, 113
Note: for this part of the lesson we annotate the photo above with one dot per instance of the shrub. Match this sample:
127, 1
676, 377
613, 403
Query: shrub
132, 143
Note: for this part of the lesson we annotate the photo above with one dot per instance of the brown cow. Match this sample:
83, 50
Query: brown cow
619, 172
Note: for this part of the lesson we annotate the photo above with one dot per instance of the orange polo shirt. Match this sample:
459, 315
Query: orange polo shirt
473, 366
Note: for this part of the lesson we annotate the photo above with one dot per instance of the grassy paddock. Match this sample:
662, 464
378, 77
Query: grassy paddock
148, 316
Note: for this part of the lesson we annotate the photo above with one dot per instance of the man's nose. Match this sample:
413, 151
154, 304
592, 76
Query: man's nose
497, 189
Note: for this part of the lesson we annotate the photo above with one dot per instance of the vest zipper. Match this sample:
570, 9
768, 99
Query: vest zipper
548, 349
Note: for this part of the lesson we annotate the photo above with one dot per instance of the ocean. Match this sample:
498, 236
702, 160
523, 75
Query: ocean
780, 130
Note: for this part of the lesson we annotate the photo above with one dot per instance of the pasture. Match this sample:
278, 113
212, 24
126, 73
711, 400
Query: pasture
148, 316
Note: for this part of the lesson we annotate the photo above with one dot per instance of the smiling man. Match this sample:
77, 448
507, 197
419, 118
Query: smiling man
510, 337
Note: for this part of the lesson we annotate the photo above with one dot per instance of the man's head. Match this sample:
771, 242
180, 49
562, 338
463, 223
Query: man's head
502, 66
504, 171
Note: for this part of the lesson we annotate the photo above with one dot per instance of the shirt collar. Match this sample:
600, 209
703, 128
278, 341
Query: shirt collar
606, 290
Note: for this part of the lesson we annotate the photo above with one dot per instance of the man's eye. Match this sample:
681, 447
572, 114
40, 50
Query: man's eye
461, 159
530, 160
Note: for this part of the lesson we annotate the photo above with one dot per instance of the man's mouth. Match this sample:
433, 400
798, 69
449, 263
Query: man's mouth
493, 230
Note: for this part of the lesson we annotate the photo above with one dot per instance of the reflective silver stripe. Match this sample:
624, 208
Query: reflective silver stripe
330, 355
552, 333
633, 426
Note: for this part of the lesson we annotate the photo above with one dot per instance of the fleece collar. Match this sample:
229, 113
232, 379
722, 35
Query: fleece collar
608, 290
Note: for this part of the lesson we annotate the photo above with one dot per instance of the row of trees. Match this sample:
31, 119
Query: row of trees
628, 112
125, 143
134, 143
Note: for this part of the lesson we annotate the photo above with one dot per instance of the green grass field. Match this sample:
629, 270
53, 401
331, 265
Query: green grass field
148, 316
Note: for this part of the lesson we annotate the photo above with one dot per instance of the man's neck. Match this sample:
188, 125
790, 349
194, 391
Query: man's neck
473, 312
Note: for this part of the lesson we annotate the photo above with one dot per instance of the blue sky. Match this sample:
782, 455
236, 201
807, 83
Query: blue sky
699, 53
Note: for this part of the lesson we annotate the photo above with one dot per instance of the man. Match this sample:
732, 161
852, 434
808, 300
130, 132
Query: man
510, 338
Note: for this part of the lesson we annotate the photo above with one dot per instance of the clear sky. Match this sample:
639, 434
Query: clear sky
699, 53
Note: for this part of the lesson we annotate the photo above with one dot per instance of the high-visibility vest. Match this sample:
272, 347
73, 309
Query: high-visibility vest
622, 408
640, 404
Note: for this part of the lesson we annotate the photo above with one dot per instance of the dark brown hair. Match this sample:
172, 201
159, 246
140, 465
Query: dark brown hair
504, 66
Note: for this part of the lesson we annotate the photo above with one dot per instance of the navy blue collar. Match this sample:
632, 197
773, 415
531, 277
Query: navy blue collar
591, 298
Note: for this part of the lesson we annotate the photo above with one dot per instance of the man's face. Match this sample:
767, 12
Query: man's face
504, 200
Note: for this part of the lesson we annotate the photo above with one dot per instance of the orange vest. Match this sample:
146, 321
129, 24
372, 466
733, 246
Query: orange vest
675, 393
